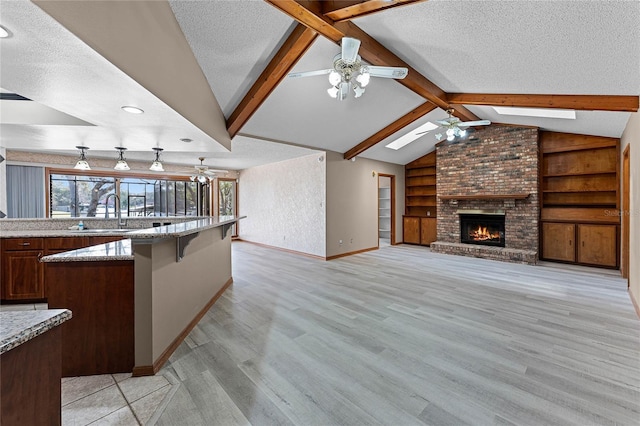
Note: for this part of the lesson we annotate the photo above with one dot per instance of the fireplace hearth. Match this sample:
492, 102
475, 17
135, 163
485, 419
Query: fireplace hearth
482, 229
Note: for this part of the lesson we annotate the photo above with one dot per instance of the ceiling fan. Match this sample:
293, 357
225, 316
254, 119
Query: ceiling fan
349, 72
204, 174
454, 127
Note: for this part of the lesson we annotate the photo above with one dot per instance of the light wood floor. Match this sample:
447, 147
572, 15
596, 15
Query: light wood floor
403, 336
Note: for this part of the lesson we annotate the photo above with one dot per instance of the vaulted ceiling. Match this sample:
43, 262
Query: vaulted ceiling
215, 72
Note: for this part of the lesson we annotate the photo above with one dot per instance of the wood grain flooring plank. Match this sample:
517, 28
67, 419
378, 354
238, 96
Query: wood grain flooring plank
402, 336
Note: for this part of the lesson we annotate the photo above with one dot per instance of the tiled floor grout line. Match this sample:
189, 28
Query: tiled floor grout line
127, 401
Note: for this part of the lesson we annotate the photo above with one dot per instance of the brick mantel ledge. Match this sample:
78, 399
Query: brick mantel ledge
519, 196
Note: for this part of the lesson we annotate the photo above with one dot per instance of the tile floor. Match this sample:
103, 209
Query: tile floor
111, 399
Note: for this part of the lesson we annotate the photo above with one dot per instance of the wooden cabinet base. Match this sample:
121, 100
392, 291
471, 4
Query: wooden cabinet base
31, 380
99, 339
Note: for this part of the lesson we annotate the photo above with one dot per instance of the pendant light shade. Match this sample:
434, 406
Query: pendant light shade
156, 166
121, 164
82, 163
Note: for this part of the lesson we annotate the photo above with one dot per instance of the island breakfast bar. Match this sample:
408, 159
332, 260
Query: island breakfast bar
138, 298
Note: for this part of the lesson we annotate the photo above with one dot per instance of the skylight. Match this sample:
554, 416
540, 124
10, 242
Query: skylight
537, 112
412, 135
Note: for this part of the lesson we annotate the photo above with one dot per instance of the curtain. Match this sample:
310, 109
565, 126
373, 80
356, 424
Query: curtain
25, 191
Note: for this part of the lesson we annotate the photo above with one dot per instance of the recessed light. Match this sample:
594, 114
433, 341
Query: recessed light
4, 33
568, 114
412, 135
186, 140
132, 109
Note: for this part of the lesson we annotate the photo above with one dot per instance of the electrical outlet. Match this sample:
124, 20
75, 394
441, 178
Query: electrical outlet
352, 241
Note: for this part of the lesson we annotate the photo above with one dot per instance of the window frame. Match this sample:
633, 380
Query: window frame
118, 176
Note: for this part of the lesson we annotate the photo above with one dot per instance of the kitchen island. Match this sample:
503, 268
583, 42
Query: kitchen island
138, 298
30, 346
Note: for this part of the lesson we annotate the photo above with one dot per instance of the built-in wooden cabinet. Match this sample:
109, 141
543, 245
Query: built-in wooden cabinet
411, 229
420, 200
597, 244
428, 231
22, 272
580, 199
558, 241
22, 276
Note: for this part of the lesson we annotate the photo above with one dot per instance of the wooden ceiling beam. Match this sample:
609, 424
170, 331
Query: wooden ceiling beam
576, 102
392, 128
309, 14
343, 10
287, 56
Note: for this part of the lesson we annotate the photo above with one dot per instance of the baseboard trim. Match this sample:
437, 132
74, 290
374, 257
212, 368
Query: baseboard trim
150, 370
336, 256
301, 253
633, 301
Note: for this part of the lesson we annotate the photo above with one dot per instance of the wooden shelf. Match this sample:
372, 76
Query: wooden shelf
420, 198
579, 198
586, 173
486, 197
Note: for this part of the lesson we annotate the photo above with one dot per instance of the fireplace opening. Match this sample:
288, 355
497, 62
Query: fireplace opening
482, 229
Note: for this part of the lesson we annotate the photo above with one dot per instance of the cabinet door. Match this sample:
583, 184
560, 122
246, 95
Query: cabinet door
558, 241
411, 230
597, 245
428, 232
22, 275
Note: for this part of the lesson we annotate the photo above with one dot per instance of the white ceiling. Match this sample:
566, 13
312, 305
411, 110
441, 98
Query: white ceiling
527, 47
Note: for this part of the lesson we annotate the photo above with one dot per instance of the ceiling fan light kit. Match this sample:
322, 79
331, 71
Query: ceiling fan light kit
454, 127
350, 74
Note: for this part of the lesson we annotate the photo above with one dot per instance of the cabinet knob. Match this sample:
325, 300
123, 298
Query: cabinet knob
25, 244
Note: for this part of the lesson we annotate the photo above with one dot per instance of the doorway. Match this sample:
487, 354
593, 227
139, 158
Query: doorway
386, 210
625, 212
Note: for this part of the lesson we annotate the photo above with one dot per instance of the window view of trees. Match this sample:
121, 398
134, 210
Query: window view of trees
85, 196
226, 197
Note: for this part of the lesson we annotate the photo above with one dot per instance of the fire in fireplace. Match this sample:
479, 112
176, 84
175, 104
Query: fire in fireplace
482, 229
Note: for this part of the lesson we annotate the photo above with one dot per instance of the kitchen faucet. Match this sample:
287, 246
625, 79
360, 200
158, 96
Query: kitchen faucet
117, 208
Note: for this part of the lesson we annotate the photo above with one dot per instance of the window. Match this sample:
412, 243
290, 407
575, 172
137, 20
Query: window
75, 195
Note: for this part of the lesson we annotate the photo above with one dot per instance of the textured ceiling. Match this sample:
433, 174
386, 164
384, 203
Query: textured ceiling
520, 47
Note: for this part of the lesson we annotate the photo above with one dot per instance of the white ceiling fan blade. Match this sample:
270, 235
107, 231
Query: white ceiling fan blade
309, 73
215, 172
387, 72
474, 123
449, 121
350, 48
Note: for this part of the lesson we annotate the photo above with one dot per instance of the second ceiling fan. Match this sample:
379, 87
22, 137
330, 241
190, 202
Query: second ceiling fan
350, 73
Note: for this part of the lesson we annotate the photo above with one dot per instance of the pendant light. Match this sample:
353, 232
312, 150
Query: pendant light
121, 164
156, 166
82, 163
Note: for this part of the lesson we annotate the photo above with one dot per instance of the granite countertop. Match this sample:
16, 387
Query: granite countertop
117, 250
18, 327
184, 228
166, 231
122, 250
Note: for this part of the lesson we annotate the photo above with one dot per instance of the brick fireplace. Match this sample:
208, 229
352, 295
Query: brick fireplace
494, 171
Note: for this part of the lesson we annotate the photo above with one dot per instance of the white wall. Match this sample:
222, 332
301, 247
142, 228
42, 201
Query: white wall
352, 203
631, 137
285, 204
